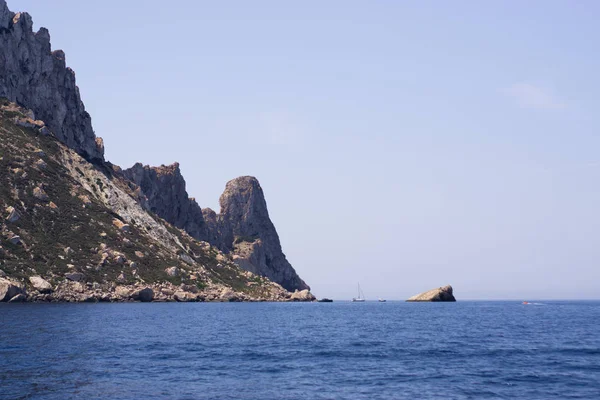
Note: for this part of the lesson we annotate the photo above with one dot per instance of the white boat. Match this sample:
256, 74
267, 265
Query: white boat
361, 296
382, 300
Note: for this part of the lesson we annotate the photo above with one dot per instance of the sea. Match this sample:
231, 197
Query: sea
339, 350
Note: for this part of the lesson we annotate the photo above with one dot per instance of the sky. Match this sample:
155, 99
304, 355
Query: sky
404, 145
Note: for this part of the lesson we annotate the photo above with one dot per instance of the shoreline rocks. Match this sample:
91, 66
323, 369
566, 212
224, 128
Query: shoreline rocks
302, 295
144, 295
41, 291
9, 290
442, 294
40, 284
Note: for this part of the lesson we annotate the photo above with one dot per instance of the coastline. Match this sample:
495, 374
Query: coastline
78, 292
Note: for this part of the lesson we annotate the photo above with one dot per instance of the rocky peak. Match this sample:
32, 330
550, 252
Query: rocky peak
6, 15
162, 191
244, 210
245, 229
71, 231
242, 229
34, 76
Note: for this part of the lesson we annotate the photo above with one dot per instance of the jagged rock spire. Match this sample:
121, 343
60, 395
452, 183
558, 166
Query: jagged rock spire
243, 228
246, 230
5, 15
162, 191
37, 78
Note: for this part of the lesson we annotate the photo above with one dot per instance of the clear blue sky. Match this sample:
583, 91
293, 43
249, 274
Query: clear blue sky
402, 144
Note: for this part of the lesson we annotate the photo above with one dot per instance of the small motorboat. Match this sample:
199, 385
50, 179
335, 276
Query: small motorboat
325, 300
382, 300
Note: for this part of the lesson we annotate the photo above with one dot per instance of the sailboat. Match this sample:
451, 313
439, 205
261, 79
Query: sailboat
361, 296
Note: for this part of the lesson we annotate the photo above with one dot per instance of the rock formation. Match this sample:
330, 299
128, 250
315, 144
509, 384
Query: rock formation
162, 191
9, 289
242, 228
76, 228
34, 76
71, 230
439, 294
41, 285
303, 295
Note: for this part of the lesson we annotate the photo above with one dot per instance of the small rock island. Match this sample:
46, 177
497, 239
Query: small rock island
439, 294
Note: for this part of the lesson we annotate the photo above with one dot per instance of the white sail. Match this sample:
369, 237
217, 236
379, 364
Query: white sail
361, 296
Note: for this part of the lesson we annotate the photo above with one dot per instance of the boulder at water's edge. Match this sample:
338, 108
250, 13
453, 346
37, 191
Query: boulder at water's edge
439, 294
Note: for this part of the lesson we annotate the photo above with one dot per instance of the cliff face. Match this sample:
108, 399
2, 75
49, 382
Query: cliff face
71, 230
45, 183
162, 191
244, 228
34, 76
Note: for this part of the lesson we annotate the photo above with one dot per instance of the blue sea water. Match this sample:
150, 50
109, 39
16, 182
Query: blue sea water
340, 350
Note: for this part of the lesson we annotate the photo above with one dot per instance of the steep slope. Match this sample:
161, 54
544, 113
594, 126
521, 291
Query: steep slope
34, 76
72, 231
242, 228
161, 190
46, 181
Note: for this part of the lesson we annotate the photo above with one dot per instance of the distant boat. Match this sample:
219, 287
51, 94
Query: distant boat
382, 300
361, 296
325, 300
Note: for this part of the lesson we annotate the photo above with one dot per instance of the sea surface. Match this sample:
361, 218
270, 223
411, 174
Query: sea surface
340, 350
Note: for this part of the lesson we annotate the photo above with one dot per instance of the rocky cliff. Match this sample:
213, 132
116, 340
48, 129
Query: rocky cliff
76, 228
161, 190
242, 228
72, 217
34, 76
71, 230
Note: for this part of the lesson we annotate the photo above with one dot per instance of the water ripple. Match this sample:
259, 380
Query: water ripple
470, 350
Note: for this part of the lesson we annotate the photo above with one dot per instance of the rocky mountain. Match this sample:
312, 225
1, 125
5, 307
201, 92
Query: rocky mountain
242, 228
34, 76
73, 231
161, 190
438, 294
76, 228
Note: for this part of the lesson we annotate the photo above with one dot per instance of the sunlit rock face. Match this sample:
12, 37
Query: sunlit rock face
242, 229
440, 294
245, 229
